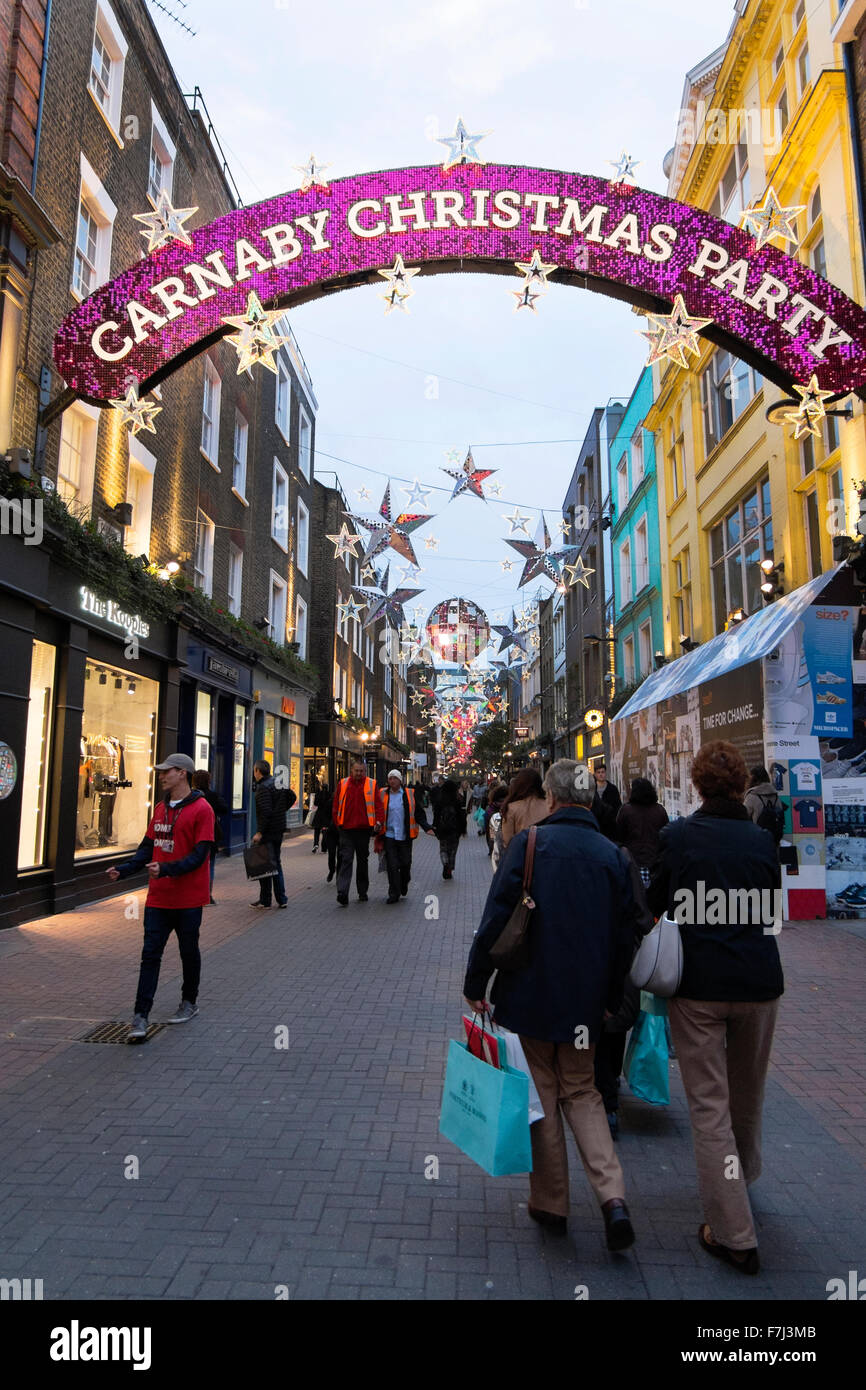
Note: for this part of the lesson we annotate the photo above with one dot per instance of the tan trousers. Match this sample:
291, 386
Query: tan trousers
564, 1076
724, 1050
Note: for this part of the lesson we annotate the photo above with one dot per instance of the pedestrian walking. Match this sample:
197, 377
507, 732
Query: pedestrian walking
477, 794
582, 942
272, 803
525, 804
724, 1013
358, 813
175, 852
763, 804
449, 824
638, 824
323, 828
495, 797
606, 802
403, 816
201, 781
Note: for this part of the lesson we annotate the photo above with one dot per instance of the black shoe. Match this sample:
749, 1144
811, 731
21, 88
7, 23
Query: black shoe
362, 897
557, 1225
618, 1227
446, 873
285, 904
404, 892
392, 900
613, 1124
342, 900
258, 903
747, 1263
315, 849
330, 875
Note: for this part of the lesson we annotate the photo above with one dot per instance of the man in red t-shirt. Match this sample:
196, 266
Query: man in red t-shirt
176, 852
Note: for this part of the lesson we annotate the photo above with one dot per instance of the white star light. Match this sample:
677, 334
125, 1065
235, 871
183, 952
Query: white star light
344, 543
395, 300
431, 543
311, 174
771, 219
518, 522
255, 341
136, 412
351, 608
672, 335
625, 167
165, 223
399, 280
461, 146
525, 298
417, 494
362, 494
578, 572
494, 489
506, 565
535, 271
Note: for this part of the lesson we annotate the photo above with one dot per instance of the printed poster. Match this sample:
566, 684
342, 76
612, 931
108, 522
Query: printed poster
828, 630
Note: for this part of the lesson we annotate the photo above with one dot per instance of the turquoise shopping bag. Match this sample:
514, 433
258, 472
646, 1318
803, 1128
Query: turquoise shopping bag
485, 1112
646, 1059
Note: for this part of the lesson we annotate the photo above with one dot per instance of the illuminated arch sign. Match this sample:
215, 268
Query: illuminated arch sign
615, 239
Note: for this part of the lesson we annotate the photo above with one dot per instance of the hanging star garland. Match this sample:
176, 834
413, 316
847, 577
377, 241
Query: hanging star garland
384, 603
416, 493
510, 635
469, 478
344, 543
625, 167
399, 282
564, 527
255, 340
535, 271
771, 219
578, 572
673, 335
362, 494
495, 489
538, 556
518, 522
385, 530
311, 174
462, 147
165, 223
395, 300
526, 298
351, 608
506, 566
135, 412
431, 543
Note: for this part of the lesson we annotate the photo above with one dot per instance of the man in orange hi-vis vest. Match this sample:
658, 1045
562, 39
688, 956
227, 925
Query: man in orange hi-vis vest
402, 819
358, 813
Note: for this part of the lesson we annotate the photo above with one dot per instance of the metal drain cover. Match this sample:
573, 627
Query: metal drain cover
117, 1033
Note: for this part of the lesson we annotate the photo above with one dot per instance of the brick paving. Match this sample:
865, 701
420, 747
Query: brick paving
304, 1167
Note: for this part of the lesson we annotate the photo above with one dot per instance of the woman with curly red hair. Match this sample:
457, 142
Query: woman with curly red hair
722, 1019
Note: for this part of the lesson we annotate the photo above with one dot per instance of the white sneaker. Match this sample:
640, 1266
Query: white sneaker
138, 1031
184, 1012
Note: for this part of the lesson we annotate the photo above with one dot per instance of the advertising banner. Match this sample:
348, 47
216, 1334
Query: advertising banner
828, 631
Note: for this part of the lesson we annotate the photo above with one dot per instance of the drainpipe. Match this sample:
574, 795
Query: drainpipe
857, 145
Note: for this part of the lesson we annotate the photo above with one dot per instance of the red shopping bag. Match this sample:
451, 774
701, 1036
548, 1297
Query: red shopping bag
483, 1045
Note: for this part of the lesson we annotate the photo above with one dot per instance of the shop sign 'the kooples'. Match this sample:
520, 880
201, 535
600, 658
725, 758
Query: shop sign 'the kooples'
112, 613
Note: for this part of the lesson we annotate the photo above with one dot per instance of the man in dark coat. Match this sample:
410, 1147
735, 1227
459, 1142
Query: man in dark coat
272, 803
606, 803
581, 944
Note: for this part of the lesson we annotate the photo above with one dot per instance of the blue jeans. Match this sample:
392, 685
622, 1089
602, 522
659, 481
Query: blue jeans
279, 882
159, 923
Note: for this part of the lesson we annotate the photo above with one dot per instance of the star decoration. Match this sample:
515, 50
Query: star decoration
416, 493
165, 223
461, 146
311, 174
812, 398
399, 280
137, 413
351, 608
536, 271
410, 572
518, 522
506, 566
255, 340
362, 494
673, 335
386, 531
386, 604
510, 635
469, 479
525, 298
344, 543
578, 572
495, 489
369, 575
771, 219
538, 557
431, 543
625, 167
395, 300
565, 527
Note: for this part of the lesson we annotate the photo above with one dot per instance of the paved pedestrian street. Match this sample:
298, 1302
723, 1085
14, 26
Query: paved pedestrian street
217, 1162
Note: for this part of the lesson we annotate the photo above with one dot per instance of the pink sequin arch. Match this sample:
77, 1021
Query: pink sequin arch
621, 241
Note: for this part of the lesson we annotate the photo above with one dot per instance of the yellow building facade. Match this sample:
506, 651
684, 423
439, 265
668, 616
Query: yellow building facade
768, 109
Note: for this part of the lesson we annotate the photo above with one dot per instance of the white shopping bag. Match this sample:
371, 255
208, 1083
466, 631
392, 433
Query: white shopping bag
517, 1060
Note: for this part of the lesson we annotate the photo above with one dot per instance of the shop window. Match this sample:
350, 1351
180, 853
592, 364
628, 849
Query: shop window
162, 156
269, 745
202, 729
239, 455
236, 571
116, 780
107, 61
277, 610
76, 461
240, 745
305, 443
301, 627
37, 756
139, 493
280, 507
303, 550
204, 540
737, 547
91, 262
284, 398
210, 413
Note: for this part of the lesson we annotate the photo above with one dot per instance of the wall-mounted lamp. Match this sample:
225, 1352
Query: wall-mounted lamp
660, 660
687, 643
771, 583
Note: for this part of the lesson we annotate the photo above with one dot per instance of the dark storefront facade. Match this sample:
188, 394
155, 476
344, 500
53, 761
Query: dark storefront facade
214, 727
279, 727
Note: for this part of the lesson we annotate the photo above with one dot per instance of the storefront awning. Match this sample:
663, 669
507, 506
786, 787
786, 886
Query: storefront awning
740, 644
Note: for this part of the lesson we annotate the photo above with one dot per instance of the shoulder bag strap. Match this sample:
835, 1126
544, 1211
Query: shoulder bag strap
529, 861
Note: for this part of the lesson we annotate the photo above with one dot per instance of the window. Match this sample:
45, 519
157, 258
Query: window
354, 705
106, 66
202, 728
37, 756
305, 442
277, 612
303, 546
162, 155
139, 493
645, 646
301, 627
389, 678
280, 507
204, 537
368, 652
732, 195
737, 546
91, 264
816, 254
118, 737
236, 573
641, 557
676, 461
239, 455
284, 398
683, 595
76, 461
210, 413
625, 574
622, 485
628, 660
240, 744
799, 14
356, 637
813, 533
727, 386
636, 457
801, 68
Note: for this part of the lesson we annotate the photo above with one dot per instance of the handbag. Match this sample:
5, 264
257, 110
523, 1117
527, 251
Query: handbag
510, 951
258, 861
485, 1112
658, 963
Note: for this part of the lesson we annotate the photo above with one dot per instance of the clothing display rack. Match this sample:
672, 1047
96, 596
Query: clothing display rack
102, 772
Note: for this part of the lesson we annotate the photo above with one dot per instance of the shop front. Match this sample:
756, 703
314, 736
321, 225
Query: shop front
215, 728
89, 705
331, 746
280, 722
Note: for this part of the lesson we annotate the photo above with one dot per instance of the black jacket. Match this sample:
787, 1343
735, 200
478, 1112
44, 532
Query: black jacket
637, 829
581, 935
324, 809
272, 803
460, 820
720, 847
219, 806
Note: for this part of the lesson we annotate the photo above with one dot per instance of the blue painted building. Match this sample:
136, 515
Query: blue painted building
638, 625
